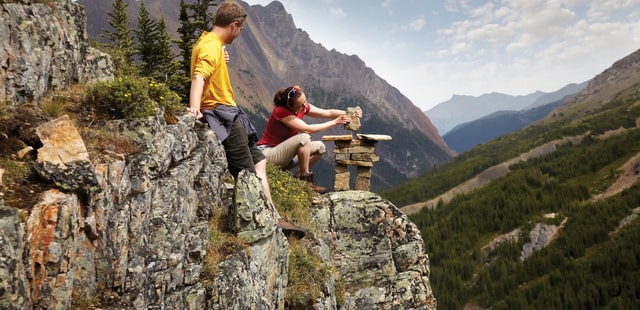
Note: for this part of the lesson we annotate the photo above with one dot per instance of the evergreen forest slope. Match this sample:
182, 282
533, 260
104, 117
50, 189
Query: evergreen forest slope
544, 217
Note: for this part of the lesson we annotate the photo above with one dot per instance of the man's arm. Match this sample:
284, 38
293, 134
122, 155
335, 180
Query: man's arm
195, 95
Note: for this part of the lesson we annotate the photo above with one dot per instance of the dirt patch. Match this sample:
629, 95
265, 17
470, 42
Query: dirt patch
19, 131
21, 185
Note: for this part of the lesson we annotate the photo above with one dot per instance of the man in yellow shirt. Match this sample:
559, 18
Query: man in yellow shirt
211, 98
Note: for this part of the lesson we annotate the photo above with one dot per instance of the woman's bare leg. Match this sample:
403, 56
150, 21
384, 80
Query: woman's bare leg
261, 172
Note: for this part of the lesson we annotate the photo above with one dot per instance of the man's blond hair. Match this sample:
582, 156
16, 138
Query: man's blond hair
229, 12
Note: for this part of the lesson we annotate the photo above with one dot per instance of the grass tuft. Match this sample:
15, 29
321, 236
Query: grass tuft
222, 243
307, 274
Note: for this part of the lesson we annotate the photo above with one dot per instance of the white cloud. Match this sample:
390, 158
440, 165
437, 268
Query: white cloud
542, 22
456, 5
575, 3
387, 6
460, 48
493, 33
337, 12
604, 9
417, 24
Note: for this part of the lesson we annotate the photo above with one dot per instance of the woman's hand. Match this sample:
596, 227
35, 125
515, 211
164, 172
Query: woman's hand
342, 119
358, 112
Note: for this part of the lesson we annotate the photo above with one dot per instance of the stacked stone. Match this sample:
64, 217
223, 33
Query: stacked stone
359, 153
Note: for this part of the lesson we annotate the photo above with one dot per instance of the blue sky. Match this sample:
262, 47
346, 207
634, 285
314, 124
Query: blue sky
431, 50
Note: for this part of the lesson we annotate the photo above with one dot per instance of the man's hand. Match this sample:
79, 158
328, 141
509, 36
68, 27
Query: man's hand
226, 54
196, 112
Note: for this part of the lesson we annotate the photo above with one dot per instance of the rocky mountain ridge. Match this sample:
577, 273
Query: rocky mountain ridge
446, 115
469, 134
621, 75
465, 136
459, 110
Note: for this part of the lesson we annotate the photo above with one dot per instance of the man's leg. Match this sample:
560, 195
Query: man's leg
236, 147
241, 155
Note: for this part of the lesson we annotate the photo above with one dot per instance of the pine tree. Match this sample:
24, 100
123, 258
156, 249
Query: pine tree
167, 65
121, 43
202, 15
180, 82
147, 42
187, 37
194, 19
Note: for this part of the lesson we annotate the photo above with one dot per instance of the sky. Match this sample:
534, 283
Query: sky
431, 50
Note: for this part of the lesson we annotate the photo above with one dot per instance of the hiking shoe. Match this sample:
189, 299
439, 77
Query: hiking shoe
309, 178
289, 228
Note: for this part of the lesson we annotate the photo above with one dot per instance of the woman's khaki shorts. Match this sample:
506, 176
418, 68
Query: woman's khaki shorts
283, 153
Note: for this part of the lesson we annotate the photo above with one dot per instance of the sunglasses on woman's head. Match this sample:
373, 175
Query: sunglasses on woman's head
293, 90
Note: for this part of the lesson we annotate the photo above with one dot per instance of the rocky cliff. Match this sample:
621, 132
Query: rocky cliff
132, 232
41, 51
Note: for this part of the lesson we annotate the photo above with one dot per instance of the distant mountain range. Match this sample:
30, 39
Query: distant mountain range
272, 53
469, 134
462, 109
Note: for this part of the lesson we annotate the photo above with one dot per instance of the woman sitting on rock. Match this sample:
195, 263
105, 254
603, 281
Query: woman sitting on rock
286, 141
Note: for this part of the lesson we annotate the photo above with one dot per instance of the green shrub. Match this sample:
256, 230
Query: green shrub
292, 197
165, 97
131, 97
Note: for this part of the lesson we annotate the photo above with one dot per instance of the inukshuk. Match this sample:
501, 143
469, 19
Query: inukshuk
357, 152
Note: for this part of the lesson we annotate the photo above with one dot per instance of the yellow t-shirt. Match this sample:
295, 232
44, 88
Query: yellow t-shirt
207, 60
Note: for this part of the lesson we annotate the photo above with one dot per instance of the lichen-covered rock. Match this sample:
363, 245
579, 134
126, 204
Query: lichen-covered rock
62, 260
252, 217
46, 51
63, 158
15, 290
378, 253
253, 279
